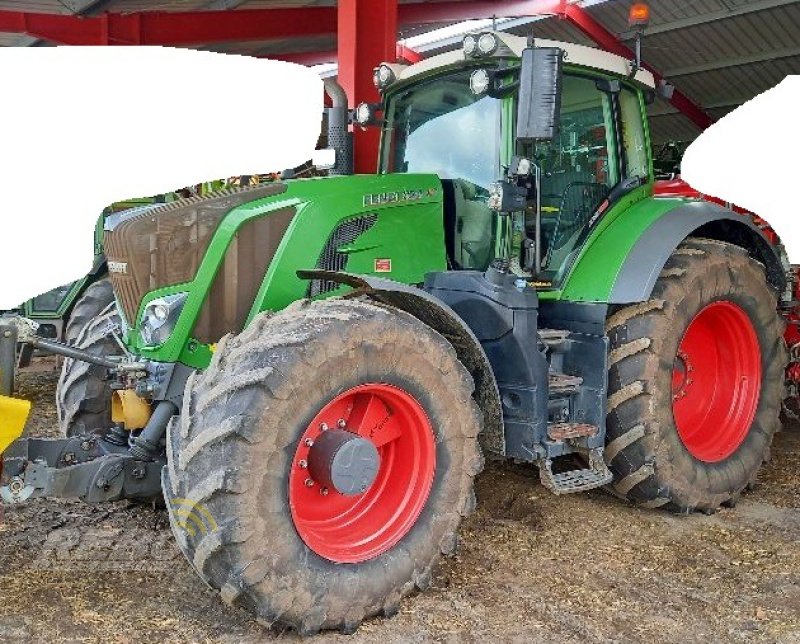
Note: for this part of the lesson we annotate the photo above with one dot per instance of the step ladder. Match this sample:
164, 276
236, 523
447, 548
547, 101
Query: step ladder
596, 475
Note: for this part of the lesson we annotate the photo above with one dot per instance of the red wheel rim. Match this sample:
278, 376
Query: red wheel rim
350, 529
716, 381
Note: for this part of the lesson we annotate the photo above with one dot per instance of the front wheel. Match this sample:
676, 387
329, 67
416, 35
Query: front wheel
696, 381
83, 394
323, 463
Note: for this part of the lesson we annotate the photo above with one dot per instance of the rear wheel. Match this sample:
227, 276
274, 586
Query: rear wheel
329, 451
83, 395
696, 381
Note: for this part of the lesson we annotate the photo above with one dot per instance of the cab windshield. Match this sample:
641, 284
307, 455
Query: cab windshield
441, 127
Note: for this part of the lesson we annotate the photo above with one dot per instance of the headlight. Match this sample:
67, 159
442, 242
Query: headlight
479, 81
487, 44
159, 318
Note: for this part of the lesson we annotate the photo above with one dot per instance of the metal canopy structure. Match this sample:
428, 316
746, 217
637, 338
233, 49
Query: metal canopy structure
717, 53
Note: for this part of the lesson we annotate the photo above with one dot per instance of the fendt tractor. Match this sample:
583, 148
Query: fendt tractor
314, 369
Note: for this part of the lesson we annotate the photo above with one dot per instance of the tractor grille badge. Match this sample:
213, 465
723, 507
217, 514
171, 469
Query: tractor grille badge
400, 196
383, 265
118, 267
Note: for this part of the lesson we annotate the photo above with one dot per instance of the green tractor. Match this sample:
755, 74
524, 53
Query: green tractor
314, 369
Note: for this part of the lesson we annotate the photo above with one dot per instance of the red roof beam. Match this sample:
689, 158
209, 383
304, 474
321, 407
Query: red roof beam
172, 28
404, 53
205, 27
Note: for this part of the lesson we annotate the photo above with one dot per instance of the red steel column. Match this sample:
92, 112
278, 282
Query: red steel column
367, 36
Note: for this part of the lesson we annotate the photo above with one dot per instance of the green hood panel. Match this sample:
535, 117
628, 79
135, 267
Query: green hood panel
404, 241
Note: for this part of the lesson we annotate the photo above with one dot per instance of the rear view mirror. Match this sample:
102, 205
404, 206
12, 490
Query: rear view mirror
539, 94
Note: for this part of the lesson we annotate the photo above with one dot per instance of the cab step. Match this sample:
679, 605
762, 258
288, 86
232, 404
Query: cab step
562, 383
553, 337
565, 431
596, 475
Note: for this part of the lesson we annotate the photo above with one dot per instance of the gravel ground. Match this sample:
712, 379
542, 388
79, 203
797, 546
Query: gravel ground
532, 568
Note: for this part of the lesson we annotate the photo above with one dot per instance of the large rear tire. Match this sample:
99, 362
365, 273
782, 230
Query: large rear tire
83, 395
696, 381
256, 520
95, 299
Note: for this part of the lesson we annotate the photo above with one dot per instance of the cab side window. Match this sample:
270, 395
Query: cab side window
579, 167
633, 137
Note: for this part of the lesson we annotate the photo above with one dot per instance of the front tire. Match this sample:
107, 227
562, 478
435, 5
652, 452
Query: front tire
95, 299
276, 537
696, 381
83, 394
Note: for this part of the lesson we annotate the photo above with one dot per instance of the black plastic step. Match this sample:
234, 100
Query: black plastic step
562, 383
565, 431
596, 475
553, 337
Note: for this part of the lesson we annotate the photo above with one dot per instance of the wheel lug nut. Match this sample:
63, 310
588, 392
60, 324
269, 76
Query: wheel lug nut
341, 423
309, 483
303, 464
324, 491
323, 427
308, 442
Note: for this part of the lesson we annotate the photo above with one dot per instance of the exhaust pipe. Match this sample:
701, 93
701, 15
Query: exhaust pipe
339, 137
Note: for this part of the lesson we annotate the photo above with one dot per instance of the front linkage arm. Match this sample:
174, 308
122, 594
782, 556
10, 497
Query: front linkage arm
93, 468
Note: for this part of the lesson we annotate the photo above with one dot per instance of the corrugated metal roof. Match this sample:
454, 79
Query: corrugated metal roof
719, 52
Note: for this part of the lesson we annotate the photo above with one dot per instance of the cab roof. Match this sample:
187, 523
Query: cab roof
573, 54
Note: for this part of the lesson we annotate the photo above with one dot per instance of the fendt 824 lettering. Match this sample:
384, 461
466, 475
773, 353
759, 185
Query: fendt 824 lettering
319, 367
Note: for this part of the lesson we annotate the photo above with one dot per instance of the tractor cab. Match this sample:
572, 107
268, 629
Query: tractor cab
456, 115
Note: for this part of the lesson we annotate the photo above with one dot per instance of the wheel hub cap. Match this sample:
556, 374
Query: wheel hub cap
343, 461
362, 472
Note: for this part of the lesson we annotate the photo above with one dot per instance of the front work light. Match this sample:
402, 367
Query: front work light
364, 114
159, 318
385, 74
470, 44
479, 81
487, 44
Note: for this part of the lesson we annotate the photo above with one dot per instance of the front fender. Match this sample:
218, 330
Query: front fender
445, 321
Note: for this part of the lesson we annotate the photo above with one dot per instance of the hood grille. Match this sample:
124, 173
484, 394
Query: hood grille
331, 259
164, 246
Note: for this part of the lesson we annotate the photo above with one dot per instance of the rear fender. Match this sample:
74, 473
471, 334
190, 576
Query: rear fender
643, 264
442, 319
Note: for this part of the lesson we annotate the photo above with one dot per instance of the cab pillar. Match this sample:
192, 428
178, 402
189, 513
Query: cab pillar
367, 36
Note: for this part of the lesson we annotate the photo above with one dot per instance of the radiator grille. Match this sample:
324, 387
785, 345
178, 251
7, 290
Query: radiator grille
163, 246
238, 280
331, 259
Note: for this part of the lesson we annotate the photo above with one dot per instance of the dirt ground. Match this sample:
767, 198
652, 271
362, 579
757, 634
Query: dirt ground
532, 567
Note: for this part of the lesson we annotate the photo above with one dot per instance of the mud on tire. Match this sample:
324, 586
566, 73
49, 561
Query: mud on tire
83, 395
95, 299
230, 450
651, 464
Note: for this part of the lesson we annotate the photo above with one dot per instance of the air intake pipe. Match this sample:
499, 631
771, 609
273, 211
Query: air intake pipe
339, 138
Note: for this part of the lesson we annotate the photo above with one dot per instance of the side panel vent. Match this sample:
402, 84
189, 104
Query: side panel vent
331, 259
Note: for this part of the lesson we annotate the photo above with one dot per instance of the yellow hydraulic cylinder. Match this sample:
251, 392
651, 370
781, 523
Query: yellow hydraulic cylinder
131, 410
